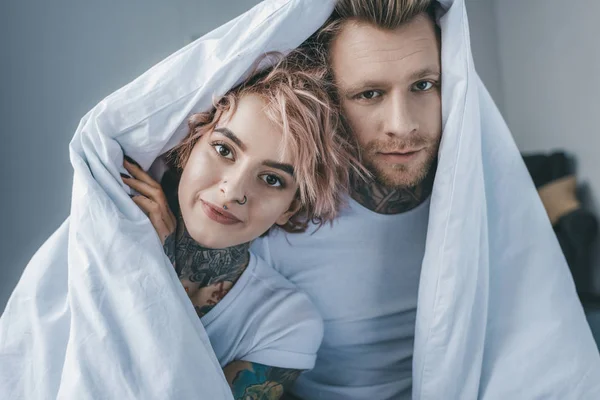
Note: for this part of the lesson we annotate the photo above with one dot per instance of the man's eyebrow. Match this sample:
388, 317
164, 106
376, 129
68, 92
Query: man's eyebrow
424, 72
231, 136
287, 168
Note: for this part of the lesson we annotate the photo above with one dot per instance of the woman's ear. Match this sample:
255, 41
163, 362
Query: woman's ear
285, 217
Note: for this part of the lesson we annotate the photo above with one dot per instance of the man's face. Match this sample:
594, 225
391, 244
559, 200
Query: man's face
389, 83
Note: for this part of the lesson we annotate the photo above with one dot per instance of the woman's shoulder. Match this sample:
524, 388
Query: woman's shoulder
269, 277
289, 327
282, 294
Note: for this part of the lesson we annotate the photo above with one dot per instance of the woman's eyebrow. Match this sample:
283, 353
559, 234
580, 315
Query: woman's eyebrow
287, 168
231, 136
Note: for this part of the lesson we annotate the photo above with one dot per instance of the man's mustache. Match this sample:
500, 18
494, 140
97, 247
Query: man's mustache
396, 145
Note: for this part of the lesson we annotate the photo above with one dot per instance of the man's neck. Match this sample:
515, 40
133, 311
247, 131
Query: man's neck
385, 200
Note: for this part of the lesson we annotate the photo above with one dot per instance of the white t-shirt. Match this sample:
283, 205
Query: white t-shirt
362, 274
266, 320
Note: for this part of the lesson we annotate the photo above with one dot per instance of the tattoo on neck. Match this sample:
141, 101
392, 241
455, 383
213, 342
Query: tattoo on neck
169, 248
206, 274
385, 200
205, 266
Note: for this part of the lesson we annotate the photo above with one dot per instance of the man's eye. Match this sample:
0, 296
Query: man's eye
272, 180
423, 86
369, 94
223, 151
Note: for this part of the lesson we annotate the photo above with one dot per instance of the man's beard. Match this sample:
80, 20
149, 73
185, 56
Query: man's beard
401, 175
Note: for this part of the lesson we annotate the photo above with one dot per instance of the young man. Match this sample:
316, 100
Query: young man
503, 324
363, 271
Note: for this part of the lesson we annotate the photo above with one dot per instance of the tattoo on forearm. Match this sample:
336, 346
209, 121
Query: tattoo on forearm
261, 382
384, 200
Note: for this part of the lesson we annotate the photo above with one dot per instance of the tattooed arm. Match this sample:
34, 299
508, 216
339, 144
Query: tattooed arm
253, 381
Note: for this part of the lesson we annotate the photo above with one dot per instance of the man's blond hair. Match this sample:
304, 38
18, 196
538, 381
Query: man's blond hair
386, 14
383, 14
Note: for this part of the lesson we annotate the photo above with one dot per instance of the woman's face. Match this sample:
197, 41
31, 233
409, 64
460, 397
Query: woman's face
239, 165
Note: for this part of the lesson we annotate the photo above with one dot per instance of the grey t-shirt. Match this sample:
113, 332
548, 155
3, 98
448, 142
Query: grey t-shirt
362, 274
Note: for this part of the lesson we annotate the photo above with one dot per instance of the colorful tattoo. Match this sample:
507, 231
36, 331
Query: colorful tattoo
261, 382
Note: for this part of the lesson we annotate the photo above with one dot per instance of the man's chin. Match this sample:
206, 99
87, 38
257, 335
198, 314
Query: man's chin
400, 176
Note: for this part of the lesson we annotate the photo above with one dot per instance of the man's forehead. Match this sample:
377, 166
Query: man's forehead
363, 49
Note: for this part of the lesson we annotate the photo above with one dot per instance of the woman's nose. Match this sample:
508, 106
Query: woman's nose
233, 190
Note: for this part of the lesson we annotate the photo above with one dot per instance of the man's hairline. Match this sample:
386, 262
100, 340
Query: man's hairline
343, 22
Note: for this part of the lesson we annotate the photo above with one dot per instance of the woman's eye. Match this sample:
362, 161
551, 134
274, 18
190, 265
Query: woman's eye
423, 86
272, 180
223, 151
369, 94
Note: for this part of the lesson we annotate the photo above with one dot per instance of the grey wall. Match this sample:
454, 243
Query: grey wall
549, 53
57, 60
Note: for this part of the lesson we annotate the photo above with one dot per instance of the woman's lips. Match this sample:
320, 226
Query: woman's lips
218, 215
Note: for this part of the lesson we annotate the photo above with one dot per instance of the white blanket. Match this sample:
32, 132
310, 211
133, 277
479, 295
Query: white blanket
99, 312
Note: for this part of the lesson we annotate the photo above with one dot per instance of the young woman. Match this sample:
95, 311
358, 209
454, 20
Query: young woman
270, 154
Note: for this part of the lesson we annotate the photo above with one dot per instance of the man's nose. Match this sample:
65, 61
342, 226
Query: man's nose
400, 119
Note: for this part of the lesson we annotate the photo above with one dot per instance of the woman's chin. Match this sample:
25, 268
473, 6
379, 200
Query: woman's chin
213, 241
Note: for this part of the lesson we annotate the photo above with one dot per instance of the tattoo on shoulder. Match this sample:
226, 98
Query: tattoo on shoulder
261, 382
385, 200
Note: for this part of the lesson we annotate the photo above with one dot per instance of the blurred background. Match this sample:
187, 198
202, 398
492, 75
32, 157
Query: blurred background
58, 59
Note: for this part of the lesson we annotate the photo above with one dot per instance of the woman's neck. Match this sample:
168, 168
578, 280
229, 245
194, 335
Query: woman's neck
194, 262
204, 266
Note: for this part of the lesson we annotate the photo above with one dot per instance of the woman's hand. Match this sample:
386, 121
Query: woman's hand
151, 200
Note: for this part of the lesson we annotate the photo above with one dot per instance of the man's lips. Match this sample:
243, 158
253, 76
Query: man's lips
218, 214
399, 156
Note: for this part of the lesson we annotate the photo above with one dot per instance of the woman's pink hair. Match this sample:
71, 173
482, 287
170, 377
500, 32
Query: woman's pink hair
301, 102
